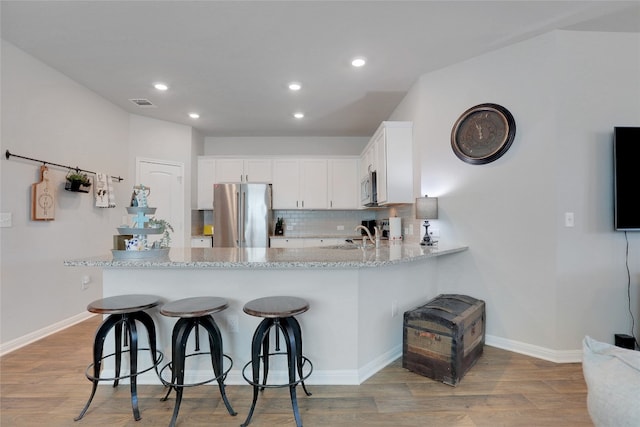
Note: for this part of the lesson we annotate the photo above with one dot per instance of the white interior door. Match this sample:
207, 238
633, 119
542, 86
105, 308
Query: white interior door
165, 179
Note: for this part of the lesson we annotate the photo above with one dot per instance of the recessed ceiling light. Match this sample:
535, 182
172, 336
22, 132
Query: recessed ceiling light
161, 86
358, 62
298, 115
194, 115
295, 86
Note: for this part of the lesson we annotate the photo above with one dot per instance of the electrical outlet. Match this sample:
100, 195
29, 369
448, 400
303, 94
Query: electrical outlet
394, 308
340, 227
233, 323
410, 229
568, 219
434, 232
84, 282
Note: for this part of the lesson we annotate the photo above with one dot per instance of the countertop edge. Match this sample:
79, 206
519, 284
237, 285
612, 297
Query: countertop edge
265, 265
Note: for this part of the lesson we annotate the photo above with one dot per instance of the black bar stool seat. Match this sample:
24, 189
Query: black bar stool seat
278, 312
123, 311
192, 313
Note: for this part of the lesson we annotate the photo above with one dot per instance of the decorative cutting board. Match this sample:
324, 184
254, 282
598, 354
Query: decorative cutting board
43, 198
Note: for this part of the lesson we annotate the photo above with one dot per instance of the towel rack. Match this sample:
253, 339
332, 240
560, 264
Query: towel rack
7, 154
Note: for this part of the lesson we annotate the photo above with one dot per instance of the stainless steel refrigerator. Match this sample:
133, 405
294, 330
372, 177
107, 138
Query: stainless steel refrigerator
241, 215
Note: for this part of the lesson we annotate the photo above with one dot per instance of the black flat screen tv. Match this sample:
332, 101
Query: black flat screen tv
626, 178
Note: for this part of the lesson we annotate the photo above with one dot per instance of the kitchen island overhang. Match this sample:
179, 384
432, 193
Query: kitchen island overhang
357, 298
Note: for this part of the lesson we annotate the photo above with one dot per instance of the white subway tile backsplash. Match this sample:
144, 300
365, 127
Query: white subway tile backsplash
305, 223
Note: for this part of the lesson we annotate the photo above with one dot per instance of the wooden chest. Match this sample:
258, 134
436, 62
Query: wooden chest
444, 338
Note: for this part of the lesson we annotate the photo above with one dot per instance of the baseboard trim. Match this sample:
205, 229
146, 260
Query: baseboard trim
358, 376
280, 376
556, 356
8, 347
378, 364
344, 377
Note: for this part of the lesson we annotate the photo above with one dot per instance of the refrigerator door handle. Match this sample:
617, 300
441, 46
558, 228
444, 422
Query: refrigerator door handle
238, 218
243, 213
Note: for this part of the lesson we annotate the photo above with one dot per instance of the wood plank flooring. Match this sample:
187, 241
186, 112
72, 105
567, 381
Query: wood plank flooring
44, 384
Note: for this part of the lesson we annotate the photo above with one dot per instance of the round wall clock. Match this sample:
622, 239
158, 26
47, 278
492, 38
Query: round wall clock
483, 133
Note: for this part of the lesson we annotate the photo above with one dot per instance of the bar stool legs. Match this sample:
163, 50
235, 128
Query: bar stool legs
180, 336
290, 329
117, 322
278, 313
193, 313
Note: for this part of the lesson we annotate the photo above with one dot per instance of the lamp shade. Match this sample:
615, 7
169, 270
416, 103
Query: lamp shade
427, 207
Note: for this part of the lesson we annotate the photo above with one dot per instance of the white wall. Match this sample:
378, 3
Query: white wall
545, 285
47, 116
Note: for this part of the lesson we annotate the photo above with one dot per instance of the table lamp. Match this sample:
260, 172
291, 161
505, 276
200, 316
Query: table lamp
426, 208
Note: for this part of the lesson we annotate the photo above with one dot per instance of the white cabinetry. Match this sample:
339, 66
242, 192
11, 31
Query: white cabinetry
206, 174
313, 183
287, 243
389, 153
343, 184
321, 241
215, 169
367, 161
305, 242
243, 170
300, 184
201, 242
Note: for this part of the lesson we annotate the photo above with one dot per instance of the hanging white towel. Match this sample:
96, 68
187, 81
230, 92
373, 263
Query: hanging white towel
103, 190
112, 194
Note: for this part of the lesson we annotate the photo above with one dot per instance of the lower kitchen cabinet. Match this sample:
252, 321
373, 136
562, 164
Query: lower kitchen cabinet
201, 242
305, 242
286, 243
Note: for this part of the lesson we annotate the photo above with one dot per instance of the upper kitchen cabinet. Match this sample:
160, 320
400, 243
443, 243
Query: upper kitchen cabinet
243, 170
206, 178
343, 184
300, 184
389, 153
368, 160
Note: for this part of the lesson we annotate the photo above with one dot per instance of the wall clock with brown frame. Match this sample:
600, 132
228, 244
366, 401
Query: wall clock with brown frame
483, 133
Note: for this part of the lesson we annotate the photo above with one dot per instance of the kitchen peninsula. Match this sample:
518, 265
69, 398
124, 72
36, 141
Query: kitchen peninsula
357, 297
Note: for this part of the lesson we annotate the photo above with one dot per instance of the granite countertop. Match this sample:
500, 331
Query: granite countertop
279, 258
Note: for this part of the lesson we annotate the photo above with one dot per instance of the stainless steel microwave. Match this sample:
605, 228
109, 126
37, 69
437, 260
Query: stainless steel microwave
369, 190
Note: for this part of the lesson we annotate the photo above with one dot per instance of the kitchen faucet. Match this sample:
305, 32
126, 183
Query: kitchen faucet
375, 241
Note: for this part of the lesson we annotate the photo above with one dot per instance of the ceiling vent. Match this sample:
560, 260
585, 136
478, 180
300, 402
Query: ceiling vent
143, 103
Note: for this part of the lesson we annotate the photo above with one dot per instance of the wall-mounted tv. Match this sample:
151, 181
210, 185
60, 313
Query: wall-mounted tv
626, 178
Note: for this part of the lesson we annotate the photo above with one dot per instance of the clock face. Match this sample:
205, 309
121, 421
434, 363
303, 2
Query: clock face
483, 133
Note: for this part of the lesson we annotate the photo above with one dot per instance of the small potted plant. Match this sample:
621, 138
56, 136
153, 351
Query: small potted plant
77, 181
165, 226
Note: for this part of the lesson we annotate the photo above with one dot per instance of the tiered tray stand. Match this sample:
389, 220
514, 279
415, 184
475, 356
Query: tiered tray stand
140, 233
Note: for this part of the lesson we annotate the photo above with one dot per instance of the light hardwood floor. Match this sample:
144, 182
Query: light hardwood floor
43, 384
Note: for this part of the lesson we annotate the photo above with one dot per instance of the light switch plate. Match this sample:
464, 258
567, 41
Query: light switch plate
6, 219
568, 219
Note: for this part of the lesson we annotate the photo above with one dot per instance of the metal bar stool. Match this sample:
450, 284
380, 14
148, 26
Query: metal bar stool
192, 313
277, 312
123, 311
